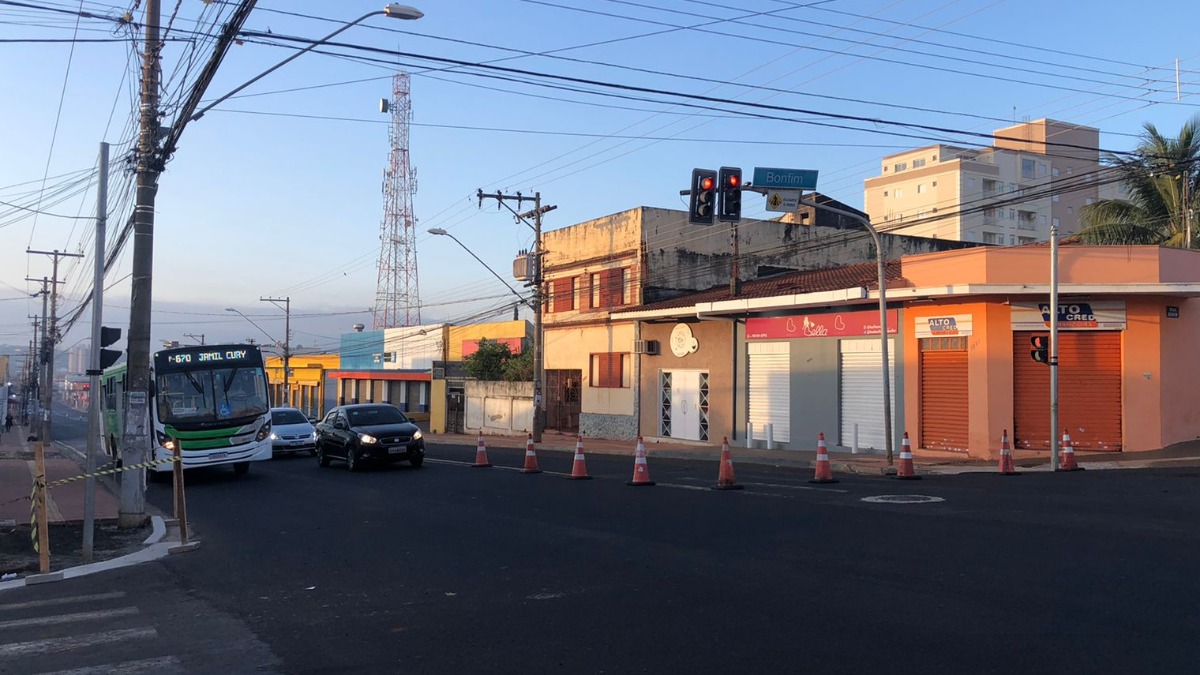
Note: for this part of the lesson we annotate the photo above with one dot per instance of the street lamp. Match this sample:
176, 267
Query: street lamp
883, 324
392, 11
442, 233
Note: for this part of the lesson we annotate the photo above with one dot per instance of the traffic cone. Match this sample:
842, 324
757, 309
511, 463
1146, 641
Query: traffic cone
1006, 460
1067, 462
725, 479
579, 468
906, 472
641, 470
481, 460
531, 465
824, 473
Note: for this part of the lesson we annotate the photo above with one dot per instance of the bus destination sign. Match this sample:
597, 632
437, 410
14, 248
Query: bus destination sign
214, 356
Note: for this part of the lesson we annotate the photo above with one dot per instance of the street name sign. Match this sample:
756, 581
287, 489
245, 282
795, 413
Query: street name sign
786, 179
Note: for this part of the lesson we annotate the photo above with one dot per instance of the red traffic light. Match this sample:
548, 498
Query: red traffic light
1040, 341
733, 180
707, 183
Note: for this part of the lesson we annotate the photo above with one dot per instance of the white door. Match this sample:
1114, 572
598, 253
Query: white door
685, 404
861, 374
770, 389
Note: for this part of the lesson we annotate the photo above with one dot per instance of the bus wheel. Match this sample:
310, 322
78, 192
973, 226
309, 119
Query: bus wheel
241, 468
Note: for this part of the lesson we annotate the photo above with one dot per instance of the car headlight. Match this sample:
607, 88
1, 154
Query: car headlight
274, 437
314, 434
417, 435
367, 439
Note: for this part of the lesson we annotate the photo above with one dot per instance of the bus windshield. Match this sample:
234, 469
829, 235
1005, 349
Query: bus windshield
211, 395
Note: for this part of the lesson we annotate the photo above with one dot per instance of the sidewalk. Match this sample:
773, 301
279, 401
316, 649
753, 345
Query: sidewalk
64, 503
866, 463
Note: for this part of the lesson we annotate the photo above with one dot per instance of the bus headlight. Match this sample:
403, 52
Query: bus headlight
264, 432
367, 439
164, 440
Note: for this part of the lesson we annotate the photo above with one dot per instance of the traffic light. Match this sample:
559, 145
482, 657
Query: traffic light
107, 337
729, 201
1041, 348
703, 197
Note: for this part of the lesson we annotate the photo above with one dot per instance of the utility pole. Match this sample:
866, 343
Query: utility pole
539, 384
51, 329
287, 342
93, 419
44, 372
148, 165
1053, 315
33, 372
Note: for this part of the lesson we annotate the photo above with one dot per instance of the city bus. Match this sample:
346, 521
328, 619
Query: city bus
212, 399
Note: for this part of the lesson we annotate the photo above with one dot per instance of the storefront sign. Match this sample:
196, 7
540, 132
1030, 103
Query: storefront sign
1080, 315
843, 324
943, 326
1172, 312
682, 341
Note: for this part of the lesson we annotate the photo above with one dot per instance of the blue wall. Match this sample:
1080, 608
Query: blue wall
358, 350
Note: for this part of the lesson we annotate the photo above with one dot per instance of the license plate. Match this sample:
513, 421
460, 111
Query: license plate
218, 455
397, 451
299, 442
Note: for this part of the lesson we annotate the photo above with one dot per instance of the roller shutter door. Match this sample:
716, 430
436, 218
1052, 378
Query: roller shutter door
1089, 391
860, 379
770, 390
944, 394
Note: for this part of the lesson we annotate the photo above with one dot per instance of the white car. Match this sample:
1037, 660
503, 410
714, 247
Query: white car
291, 431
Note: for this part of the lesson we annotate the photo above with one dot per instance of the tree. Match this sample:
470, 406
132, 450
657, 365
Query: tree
519, 367
487, 363
1162, 177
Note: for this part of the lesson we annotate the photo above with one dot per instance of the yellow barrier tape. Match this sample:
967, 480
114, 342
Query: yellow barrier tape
33, 509
106, 472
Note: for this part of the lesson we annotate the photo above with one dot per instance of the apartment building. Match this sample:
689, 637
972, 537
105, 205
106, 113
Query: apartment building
1035, 174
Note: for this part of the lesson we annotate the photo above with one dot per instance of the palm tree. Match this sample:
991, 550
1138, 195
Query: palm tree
1162, 179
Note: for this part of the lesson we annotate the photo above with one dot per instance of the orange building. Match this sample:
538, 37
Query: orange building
800, 354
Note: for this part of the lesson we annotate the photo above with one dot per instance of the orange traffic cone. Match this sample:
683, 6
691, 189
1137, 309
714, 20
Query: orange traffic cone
1067, 462
1006, 460
725, 479
824, 473
906, 472
579, 468
641, 470
531, 465
481, 460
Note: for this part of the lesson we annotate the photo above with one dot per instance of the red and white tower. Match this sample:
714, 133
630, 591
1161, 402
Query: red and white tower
397, 300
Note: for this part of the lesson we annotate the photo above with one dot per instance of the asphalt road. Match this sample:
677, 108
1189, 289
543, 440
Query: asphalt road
450, 569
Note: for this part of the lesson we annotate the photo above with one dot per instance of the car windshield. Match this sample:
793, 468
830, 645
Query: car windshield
287, 417
384, 414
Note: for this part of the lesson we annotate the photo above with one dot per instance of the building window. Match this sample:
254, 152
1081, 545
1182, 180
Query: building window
1025, 240
991, 238
610, 371
885, 193
1056, 222
918, 163
900, 166
563, 292
1088, 200
971, 182
899, 193
935, 183
1042, 219
1070, 210
920, 188
1054, 171
1011, 239
594, 290
1054, 199
1028, 167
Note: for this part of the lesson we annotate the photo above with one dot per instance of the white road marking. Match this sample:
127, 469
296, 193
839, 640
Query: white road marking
62, 644
796, 487
50, 602
165, 665
494, 466
69, 618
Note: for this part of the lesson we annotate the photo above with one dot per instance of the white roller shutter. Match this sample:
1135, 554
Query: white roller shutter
860, 372
770, 389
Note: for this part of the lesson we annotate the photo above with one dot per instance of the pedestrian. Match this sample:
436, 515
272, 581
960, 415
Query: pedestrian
8, 422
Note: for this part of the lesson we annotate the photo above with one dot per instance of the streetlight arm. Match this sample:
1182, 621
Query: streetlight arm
485, 265
277, 66
260, 329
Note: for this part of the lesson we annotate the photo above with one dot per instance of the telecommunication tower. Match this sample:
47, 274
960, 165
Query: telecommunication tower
397, 300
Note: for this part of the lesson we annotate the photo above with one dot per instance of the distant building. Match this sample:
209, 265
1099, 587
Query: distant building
1036, 174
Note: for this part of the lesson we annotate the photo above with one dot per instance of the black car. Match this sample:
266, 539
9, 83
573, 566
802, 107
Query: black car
368, 433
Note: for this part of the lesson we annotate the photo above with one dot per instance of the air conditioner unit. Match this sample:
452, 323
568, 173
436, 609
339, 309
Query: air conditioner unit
645, 347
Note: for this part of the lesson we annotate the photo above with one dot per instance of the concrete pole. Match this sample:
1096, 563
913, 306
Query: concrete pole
136, 441
539, 346
93, 434
1054, 438
44, 402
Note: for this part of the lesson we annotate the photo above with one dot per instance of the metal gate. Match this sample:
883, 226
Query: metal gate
562, 400
456, 414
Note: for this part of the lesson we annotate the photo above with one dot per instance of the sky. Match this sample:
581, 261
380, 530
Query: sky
277, 192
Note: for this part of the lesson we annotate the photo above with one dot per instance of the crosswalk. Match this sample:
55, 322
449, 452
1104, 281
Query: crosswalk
80, 634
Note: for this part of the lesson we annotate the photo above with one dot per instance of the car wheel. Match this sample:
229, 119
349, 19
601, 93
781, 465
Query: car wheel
417, 461
352, 461
241, 468
322, 458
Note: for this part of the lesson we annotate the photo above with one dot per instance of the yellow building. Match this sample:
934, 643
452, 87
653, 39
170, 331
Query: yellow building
306, 381
447, 399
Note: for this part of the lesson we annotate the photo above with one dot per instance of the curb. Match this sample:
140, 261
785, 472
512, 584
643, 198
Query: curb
154, 549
